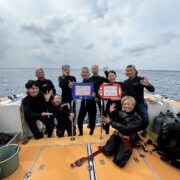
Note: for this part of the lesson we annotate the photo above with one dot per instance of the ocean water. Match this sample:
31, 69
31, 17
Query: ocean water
12, 81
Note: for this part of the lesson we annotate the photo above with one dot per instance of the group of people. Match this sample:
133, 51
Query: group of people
127, 114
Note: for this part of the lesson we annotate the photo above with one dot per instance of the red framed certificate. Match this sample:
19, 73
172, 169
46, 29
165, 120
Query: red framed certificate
110, 90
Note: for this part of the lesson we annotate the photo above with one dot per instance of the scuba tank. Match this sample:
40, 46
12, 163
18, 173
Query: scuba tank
157, 125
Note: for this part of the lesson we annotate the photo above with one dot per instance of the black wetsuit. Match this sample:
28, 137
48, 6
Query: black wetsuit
61, 113
33, 107
98, 80
87, 106
127, 124
133, 87
46, 85
66, 90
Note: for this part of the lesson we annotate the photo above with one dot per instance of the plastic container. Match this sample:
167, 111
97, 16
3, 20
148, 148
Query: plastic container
9, 159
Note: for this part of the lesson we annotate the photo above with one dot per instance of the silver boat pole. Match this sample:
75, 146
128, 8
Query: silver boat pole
101, 114
72, 123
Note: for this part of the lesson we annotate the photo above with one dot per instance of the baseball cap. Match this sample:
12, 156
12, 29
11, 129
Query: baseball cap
66, 66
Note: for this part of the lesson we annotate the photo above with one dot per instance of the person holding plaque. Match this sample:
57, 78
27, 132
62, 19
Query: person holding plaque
87, 105
116, 101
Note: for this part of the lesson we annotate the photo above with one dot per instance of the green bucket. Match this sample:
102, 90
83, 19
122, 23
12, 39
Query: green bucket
9, 159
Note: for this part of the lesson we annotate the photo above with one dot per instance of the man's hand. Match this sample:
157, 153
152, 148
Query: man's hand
93, 94
106, 69
70, 84
105, 120
71, 115
65, 73
46, 114
144, 81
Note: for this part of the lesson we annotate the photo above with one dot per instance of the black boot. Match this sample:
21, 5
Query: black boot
59, 133
49, 129
80, 132
38, 135
91, 132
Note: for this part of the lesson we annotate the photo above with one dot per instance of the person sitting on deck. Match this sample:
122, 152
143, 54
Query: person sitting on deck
127, 123
35, 106
62, 113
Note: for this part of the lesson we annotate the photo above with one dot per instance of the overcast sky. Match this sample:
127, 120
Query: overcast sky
49, 33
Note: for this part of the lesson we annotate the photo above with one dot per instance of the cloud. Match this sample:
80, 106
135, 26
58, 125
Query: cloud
138, 49
4, 46
89, 46
115, 33
50, 28
169, 37
1, 20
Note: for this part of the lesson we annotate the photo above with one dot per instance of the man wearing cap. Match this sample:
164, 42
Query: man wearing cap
134, 86
65, 82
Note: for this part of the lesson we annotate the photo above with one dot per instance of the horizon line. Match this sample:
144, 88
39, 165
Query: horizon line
80, 68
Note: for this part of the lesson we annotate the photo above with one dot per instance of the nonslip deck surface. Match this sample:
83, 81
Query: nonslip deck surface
50, 158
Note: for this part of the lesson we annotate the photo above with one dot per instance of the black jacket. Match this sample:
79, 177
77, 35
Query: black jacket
46, 85
66, 90
126, 123
34, 106
61, 113
98, 80
133, 87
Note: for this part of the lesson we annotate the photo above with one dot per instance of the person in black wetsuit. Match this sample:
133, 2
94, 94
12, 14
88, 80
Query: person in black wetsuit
65, 82
62, 113
98, 80
45, 85
111, 76
35, 106
87, 105
127, 123
134, 86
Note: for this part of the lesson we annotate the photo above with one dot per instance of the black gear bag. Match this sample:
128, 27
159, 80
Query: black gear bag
168, 143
